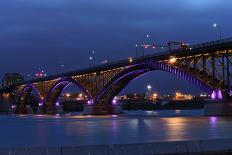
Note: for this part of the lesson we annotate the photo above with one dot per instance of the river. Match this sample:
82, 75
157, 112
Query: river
132, 127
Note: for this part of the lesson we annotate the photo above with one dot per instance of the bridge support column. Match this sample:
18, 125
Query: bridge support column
53, 110
221, 105
29, 109
6, 100
102, 109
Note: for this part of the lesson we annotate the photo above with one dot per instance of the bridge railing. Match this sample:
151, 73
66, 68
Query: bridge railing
211, 43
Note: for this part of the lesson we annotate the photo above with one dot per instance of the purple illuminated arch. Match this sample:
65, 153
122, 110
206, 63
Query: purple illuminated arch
66, 81
33, 87
151, 66
127, 72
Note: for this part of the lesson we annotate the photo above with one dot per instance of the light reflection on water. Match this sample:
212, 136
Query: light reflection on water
134, 127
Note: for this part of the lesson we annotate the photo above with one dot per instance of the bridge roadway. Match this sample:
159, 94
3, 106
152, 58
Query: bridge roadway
206, 65
208, 47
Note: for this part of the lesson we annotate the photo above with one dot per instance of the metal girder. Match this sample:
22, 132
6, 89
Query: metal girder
212, 69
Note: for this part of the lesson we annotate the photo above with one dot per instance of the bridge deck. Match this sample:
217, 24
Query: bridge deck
208, 47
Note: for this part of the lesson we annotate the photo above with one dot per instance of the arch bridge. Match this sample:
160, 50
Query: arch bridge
206, 65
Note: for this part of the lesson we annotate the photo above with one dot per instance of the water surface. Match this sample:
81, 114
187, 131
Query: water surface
134, 127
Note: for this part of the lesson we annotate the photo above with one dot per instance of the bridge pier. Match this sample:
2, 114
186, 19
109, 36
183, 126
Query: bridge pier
52, 110
6, 101
102, 109
221, 106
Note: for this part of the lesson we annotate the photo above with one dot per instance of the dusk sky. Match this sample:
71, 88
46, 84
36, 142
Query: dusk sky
44, 33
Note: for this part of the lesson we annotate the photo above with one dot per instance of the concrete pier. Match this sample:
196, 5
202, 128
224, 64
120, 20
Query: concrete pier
218, 109
102, 109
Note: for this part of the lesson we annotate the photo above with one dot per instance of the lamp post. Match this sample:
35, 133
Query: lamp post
91, 58
90, 61
61, 67
149, 87
136, 49
216, 26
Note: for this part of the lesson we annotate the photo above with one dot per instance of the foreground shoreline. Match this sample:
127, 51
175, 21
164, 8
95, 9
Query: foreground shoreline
207, 147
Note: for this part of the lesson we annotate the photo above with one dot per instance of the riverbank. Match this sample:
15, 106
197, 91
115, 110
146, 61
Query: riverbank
203, 147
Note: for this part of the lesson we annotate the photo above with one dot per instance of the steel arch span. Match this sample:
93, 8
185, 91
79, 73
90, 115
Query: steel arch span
23, 97
55, 91
120, 81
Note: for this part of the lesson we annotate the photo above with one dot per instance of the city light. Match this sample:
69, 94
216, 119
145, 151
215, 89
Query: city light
180, 96
130, 60
57, 104
114, 101
40, 74
104, 61
154, 96
172, 60
68, 95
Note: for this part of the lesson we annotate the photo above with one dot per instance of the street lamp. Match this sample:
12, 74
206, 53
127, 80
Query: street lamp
91, 58
216, 26
149, 87
136, 46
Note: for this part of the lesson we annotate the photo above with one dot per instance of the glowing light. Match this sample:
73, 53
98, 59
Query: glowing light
149, 87
13, 106
57, 103
114, 101
215, 25
203, 95
40, 104
130, 60
154, 96
147, 35
180, 96
172, 60
80, 95
68, 95
90, 102
213, 95
104, 61
216, 95
219, 94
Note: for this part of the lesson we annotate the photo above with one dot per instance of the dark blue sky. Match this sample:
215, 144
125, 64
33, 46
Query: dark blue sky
43, 33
